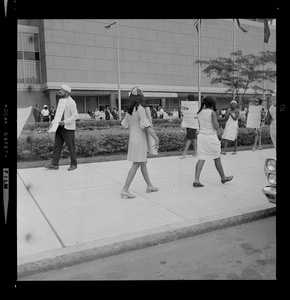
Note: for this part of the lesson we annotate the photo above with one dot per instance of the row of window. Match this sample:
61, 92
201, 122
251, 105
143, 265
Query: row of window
28, 58
87, 103
90, 103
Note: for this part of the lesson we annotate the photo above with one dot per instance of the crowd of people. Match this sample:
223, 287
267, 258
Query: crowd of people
106, 114
235, 118
44, 115
138, 120
157, 112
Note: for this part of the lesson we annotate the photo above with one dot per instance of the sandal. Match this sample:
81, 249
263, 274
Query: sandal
197, 184
229, 178
152, 189
127, 195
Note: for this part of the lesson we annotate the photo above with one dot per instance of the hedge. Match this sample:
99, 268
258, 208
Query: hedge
107, 124
39, 145
102, 124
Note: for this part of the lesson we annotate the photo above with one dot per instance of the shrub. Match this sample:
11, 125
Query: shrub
246, 137
102, 124
39, 145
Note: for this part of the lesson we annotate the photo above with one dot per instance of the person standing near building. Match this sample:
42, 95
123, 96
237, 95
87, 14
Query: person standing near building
209, 146
232, 127
258, 131
138, 123
161, 113
52, 113
36, 113
97, 114
115, 113
45, 114
190, 134
272, 116
179, 113
243, 116
65, 131
107, 113
223, 111
153, 112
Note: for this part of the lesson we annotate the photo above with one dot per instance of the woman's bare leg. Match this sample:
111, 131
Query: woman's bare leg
219, 167
198, 168
130, 177
144, 171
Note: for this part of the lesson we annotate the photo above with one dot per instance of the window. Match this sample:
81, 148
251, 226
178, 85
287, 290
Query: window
86, 103
28, 56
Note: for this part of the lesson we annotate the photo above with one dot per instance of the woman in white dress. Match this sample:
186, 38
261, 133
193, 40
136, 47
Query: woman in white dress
231, 129
272, 115
209, 146
138, 123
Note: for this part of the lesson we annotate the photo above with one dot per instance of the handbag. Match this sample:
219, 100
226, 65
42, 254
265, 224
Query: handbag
150, 140
125, 122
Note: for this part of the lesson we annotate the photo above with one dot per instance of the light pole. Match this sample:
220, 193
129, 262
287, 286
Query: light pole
118, 66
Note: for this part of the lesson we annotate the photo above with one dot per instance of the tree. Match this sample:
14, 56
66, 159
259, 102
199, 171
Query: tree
240, 72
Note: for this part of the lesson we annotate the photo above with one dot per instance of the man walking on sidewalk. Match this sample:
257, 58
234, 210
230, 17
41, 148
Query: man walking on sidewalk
65, 131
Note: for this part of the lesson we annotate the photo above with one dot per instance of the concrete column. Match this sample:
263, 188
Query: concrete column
163, 103
112, 103
52, 98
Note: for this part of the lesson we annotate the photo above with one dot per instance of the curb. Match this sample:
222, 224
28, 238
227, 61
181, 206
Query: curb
80, 253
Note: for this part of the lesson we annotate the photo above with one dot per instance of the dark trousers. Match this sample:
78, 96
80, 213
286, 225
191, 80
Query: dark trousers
37, 118
68, 136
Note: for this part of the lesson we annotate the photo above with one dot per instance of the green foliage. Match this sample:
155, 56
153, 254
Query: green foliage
102, 124
246, 137
240, 72
35, 145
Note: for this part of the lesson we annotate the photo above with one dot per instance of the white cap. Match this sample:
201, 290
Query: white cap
234, 101
45, 105
66, 88
136, 91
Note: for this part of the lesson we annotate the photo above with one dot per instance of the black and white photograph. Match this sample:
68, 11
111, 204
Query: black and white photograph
111, 184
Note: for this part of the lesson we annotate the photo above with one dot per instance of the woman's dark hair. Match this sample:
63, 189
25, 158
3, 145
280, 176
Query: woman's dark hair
207, 102
135, 101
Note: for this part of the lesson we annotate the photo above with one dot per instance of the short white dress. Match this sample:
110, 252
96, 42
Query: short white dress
231, 129
208, 143
137, 122
272, 111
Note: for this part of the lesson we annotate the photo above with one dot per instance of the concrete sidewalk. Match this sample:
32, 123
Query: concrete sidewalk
65, 218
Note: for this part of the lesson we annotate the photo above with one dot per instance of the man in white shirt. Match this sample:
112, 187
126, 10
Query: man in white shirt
161, 113
45, 114
65, 131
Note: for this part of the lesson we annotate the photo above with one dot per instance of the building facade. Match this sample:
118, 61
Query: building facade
158, 55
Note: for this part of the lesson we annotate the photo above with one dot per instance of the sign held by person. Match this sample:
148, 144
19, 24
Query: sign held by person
254, 116
189, 110
58, 115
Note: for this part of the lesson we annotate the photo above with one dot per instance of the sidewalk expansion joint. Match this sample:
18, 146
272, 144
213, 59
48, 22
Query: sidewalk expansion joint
43, 214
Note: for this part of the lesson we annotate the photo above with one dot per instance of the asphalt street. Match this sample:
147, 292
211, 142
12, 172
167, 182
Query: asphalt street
241, 252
